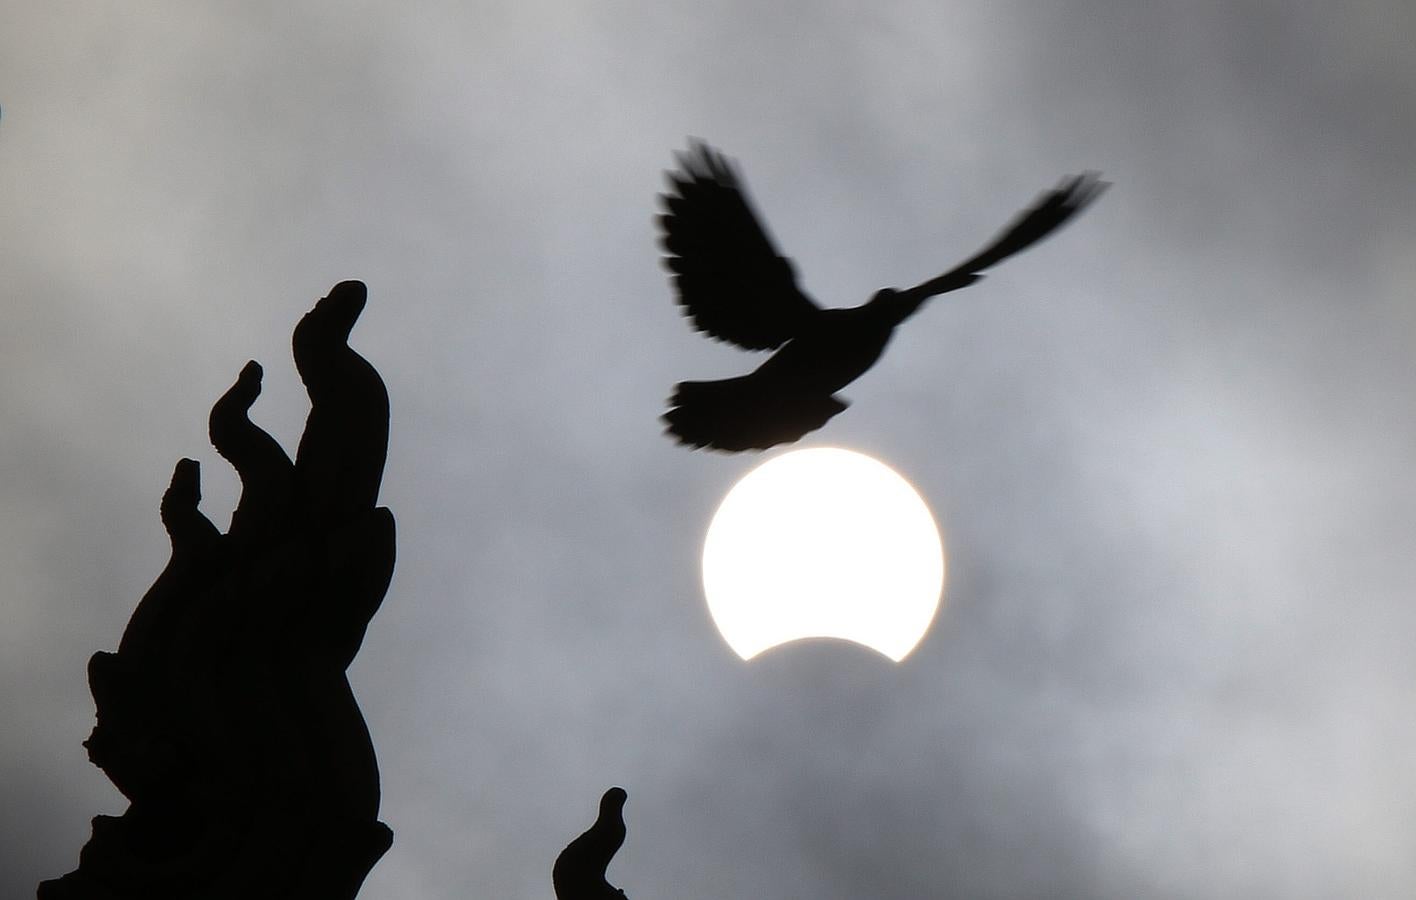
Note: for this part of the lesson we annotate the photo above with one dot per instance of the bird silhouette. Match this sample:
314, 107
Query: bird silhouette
579, 871
735, 287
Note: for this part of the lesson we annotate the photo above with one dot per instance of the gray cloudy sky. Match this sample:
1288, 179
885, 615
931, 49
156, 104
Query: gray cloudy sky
1169, 448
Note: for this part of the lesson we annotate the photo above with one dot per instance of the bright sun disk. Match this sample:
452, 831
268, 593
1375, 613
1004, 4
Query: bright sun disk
823, 543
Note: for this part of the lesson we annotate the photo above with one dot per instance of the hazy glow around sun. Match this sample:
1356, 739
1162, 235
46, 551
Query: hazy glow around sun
823, 543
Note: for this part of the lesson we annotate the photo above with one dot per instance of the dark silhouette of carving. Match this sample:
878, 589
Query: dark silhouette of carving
736, 287
579, 872
225, 716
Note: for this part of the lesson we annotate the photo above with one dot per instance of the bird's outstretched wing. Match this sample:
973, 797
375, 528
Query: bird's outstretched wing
729, 277
1049, 212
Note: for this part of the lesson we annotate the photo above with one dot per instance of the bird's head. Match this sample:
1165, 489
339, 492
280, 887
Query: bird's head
890, 305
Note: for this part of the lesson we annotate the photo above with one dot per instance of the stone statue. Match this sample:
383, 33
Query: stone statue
579, 872
225, 716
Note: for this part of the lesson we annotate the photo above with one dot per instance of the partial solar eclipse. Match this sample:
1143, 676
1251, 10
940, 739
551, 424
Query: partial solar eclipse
823, 543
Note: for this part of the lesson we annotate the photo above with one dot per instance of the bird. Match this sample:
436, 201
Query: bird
734, 286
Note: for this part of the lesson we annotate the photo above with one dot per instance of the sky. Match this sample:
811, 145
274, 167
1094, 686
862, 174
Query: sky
1168, 449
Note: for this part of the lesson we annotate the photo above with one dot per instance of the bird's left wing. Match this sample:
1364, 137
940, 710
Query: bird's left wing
729, 277
1049, 212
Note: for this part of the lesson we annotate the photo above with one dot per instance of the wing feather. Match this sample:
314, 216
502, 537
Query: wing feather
1050, 211
729, 278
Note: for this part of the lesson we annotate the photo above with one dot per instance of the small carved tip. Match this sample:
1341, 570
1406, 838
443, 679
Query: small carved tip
183, 494
614, 798
352, 286
345, 301
349, 289
328, 324
244, 392
186, 475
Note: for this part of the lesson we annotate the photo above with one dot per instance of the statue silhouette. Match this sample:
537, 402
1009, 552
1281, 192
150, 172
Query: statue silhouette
225, 716
734, 285
579, 872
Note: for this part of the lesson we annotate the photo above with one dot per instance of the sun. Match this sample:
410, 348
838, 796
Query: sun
827, 543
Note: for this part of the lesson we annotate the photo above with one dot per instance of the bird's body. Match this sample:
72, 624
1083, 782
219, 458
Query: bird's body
834, 351
733, 284
791, 393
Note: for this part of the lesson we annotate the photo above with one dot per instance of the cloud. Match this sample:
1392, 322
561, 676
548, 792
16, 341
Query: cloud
1168, 448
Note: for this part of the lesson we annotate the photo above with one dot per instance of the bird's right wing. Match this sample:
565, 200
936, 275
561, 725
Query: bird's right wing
729, 277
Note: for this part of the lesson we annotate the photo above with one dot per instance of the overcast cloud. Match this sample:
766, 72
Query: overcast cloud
1169, 448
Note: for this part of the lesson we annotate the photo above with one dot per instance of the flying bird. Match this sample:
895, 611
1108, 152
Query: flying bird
735, 287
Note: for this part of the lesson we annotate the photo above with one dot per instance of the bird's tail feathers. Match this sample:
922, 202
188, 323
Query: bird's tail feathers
742, 414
